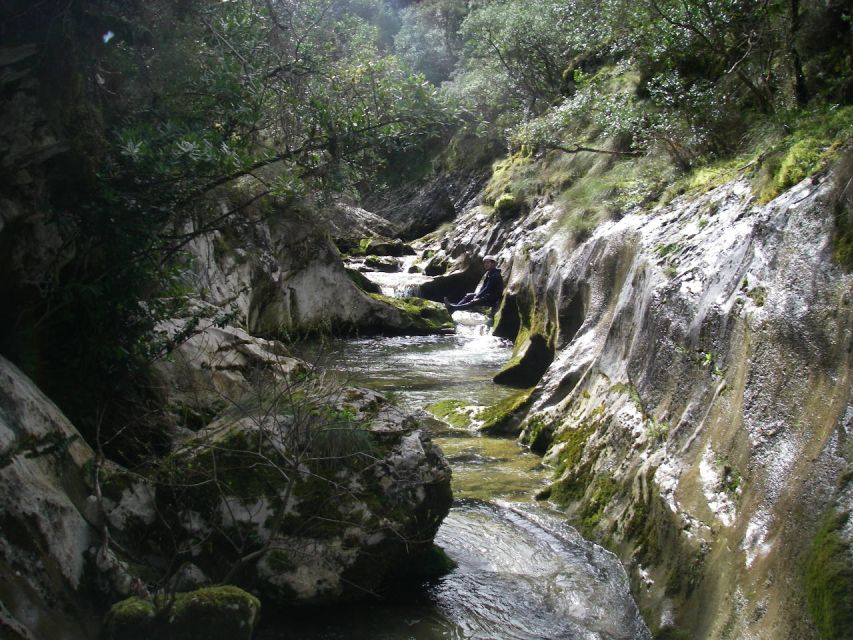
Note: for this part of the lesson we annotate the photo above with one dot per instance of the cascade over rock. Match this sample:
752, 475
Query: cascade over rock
699, 400
281, 275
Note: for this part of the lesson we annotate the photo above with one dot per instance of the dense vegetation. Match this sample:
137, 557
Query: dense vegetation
161, 103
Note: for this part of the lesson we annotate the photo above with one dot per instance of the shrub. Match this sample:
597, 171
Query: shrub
507, 205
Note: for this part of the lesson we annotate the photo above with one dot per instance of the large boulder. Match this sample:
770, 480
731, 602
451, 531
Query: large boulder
306, 493
43, 498
281, 276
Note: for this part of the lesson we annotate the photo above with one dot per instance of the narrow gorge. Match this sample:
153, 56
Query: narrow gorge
234, 405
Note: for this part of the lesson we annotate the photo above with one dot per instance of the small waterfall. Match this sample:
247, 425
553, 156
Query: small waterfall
399, 284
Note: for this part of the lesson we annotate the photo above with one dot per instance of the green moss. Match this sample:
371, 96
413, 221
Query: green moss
573, 474
418, 315
815, 138
758, 295
663, 250
532, 355
602, 190
507, 205
803, 159
707, 177
214, 613
539, 434
382, 263
828, 579
602, 490
451, 411
656, 431
516, 174
362, 281
497, 417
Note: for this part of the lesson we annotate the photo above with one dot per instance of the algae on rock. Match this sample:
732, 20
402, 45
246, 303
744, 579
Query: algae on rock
213, 613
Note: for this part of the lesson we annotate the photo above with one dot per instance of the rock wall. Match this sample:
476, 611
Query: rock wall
698, 409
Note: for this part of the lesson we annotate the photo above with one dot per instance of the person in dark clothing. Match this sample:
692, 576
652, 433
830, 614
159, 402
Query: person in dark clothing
488, 292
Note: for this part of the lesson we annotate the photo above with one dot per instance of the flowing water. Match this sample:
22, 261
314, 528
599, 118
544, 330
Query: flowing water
521, 572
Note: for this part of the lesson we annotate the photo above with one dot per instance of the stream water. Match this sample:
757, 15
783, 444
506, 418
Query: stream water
521, 573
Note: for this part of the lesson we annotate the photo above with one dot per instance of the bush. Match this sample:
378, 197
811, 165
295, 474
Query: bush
507, 206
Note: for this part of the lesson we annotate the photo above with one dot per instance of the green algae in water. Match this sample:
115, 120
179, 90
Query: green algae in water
489, 468
453, 412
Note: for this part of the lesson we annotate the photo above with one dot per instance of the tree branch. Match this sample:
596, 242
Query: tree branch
578, 148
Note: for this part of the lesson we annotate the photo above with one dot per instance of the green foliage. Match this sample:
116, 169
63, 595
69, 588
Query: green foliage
189, 103
657, 431
429, 40
828, 579
758, 295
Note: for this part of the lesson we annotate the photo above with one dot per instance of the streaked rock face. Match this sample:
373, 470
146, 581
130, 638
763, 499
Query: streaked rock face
698, 404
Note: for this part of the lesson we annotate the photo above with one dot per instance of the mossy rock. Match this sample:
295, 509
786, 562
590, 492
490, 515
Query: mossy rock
453, 412
501, 418
507, 206
382, 263
524, 370
393, 248
213, 613
829, 580
417, 315
363, 282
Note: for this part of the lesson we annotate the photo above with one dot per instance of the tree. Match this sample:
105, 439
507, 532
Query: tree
182, 99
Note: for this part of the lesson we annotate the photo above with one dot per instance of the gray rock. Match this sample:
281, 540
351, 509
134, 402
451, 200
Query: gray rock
46, 537
699, 392
285, 521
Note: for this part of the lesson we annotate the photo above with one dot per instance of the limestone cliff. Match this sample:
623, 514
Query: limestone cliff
697, 411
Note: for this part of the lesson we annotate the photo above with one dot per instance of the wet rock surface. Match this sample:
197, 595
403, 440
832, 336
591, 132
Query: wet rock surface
699, 393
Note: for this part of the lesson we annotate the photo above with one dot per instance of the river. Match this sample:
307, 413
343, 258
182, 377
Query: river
522, 573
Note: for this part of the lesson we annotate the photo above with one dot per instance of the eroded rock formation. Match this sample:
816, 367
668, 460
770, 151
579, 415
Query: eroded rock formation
698, 408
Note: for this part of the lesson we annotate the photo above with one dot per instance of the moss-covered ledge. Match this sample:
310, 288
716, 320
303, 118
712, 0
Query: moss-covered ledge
415, 316
212, 613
